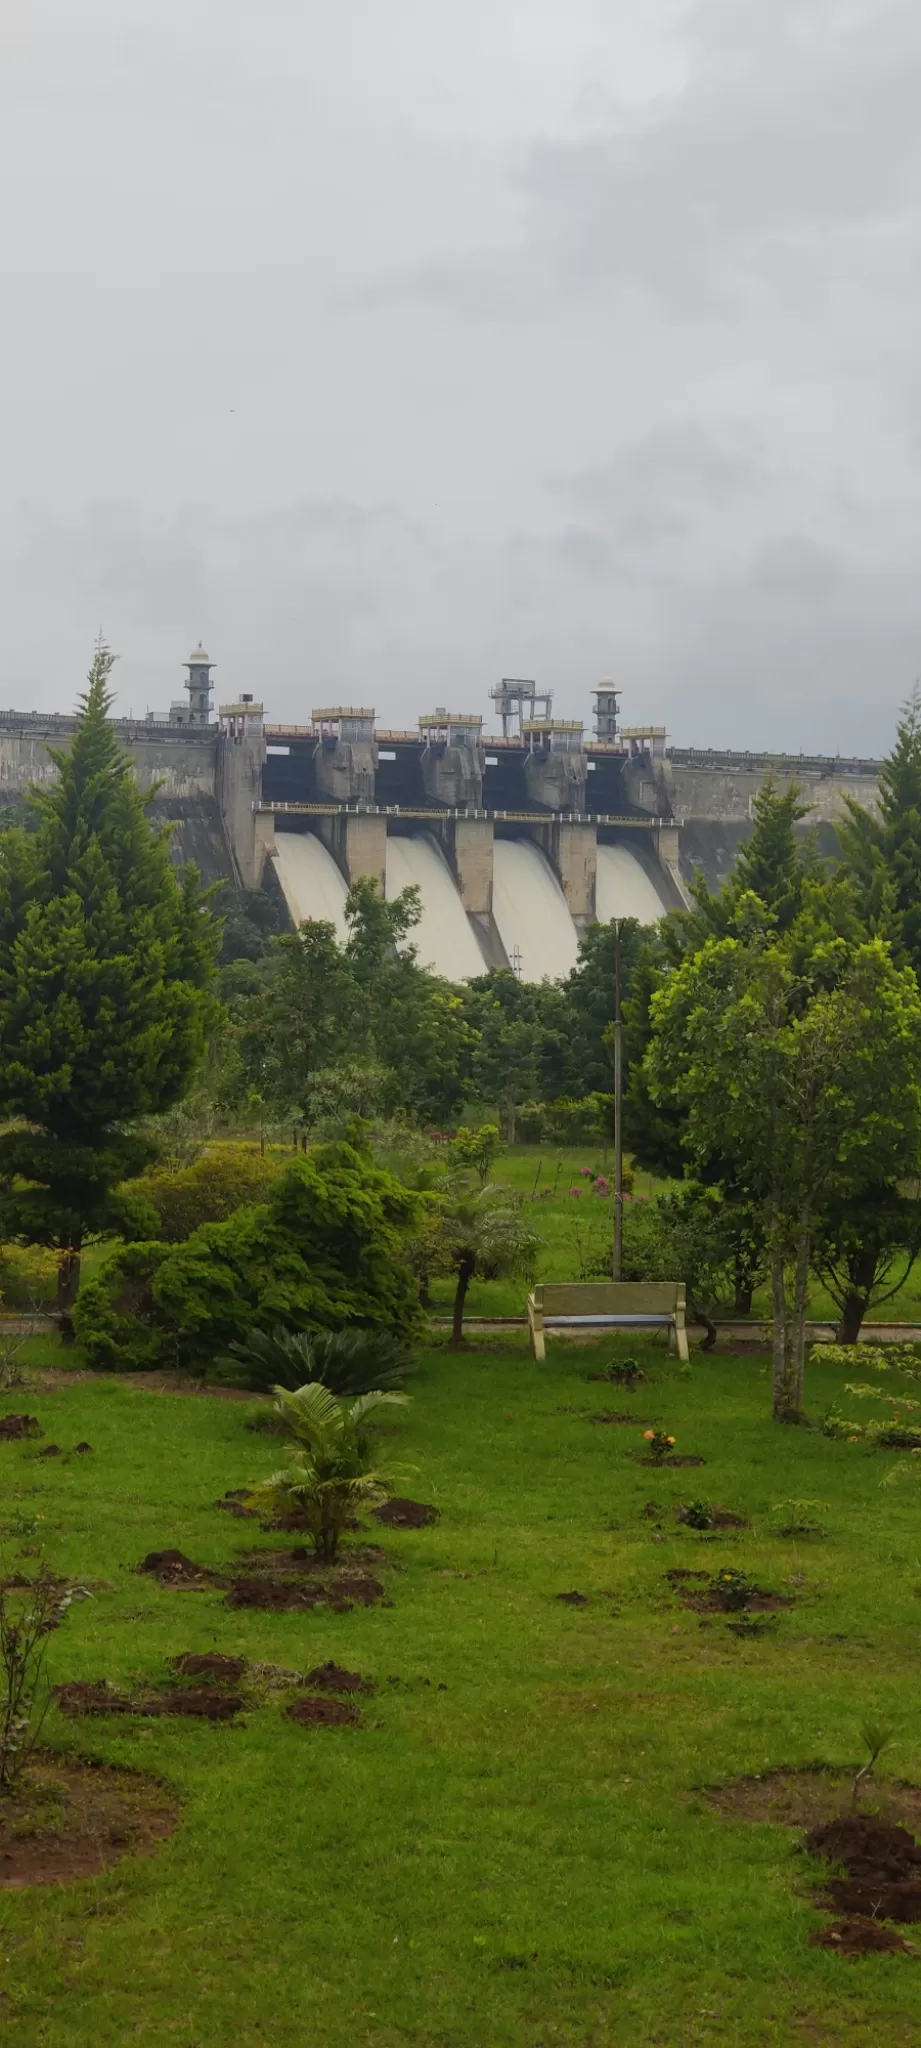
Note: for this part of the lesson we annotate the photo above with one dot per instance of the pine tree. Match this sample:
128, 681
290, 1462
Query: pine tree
106, 959
884, 853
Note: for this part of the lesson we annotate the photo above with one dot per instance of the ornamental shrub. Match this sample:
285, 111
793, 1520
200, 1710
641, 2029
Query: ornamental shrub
209, 1190
322, 1252
117, 1318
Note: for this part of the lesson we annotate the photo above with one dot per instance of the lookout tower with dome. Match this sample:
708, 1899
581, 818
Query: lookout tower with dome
199, 686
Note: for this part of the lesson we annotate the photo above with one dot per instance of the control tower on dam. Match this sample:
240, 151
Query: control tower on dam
517, 837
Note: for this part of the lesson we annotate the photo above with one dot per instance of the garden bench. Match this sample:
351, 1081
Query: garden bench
607, 1305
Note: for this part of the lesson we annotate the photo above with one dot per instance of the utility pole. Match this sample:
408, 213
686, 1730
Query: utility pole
618, 1114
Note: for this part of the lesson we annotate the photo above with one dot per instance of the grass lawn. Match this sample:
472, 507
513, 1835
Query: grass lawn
524, 1857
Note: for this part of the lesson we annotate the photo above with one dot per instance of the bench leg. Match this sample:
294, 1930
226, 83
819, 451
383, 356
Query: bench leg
681, 1340
538, 1348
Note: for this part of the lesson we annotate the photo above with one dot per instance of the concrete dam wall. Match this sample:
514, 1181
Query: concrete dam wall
516, 841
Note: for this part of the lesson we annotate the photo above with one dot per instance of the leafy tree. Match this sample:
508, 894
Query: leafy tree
771, 871
693, 1234
477, 1149
478, 1233
299, 1020
864, 1251
804, 1076
106, 961
209, 1190
328, 1476
588, 994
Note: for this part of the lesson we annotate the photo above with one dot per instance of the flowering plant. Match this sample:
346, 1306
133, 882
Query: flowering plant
659, 1444
734, 1589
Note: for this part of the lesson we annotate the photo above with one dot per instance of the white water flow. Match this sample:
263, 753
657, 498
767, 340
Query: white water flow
313, 886
530, 910
624, 889
444, 937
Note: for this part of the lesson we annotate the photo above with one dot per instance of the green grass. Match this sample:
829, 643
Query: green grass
523, 1858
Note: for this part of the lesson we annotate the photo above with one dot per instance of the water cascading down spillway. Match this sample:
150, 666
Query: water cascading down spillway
623, 888
444, 937
312, 884
531, 914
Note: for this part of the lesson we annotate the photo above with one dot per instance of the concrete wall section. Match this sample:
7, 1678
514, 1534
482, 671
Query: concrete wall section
726, 795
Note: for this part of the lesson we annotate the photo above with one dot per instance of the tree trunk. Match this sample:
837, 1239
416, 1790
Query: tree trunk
781, 1376
464, 1276
798, 1330
743, 1297
425, 1291
861, 1273
700, 1315
68, 1277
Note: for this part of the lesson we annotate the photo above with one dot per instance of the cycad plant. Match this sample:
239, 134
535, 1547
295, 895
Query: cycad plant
346, 1362
328, 1474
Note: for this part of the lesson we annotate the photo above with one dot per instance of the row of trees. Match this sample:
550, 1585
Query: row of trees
774, 1058
320, 1029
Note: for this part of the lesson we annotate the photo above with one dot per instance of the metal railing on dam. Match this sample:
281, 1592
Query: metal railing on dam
535, 817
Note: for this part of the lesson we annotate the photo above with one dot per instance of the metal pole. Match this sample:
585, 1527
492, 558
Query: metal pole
618, 1117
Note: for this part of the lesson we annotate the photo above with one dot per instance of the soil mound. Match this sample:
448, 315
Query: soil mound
15, 1427
331, 1677
233, 1504
573, 1599
320, 1713
405, 1514
173, 1568
97, 1696
861, 1937
51, 1451
72, 1820
210, 1664
883, 1864
279, 1596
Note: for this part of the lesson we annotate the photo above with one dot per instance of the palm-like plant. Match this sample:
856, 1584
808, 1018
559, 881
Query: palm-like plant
480, 1234
347, 1362
328, 1474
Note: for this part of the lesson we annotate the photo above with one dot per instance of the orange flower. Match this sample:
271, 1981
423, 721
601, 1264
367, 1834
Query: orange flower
649, 1434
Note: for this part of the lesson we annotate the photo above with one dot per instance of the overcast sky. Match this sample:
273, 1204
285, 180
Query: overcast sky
391, 346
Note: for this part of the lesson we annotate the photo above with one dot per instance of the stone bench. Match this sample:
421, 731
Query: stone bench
608, 1305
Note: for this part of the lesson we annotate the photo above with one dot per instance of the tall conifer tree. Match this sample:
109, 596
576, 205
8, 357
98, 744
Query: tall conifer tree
106, 959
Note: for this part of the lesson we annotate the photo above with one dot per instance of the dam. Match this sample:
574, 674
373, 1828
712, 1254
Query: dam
516, 838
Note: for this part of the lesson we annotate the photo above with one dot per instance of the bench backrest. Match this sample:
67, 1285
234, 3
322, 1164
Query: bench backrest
609, 1297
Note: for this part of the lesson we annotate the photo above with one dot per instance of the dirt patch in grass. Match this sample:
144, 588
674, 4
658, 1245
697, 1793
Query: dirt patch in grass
805, 1797
173, 1568
13, 1428
680, 1572
211, 1665
332, 1677
861, 1937
883, 1865
232, 1503
573, 1599
72, 1820
406, 1514
339, 1591
98, 1696
312, 1712
720, 1518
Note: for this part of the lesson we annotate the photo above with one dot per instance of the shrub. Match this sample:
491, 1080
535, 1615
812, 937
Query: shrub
117, 1318
346, 1362
209, 1190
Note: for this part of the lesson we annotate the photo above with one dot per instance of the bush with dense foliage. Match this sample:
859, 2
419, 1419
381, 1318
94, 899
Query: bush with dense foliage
323, 1251
117, 1318
223, 1179
346, 1362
